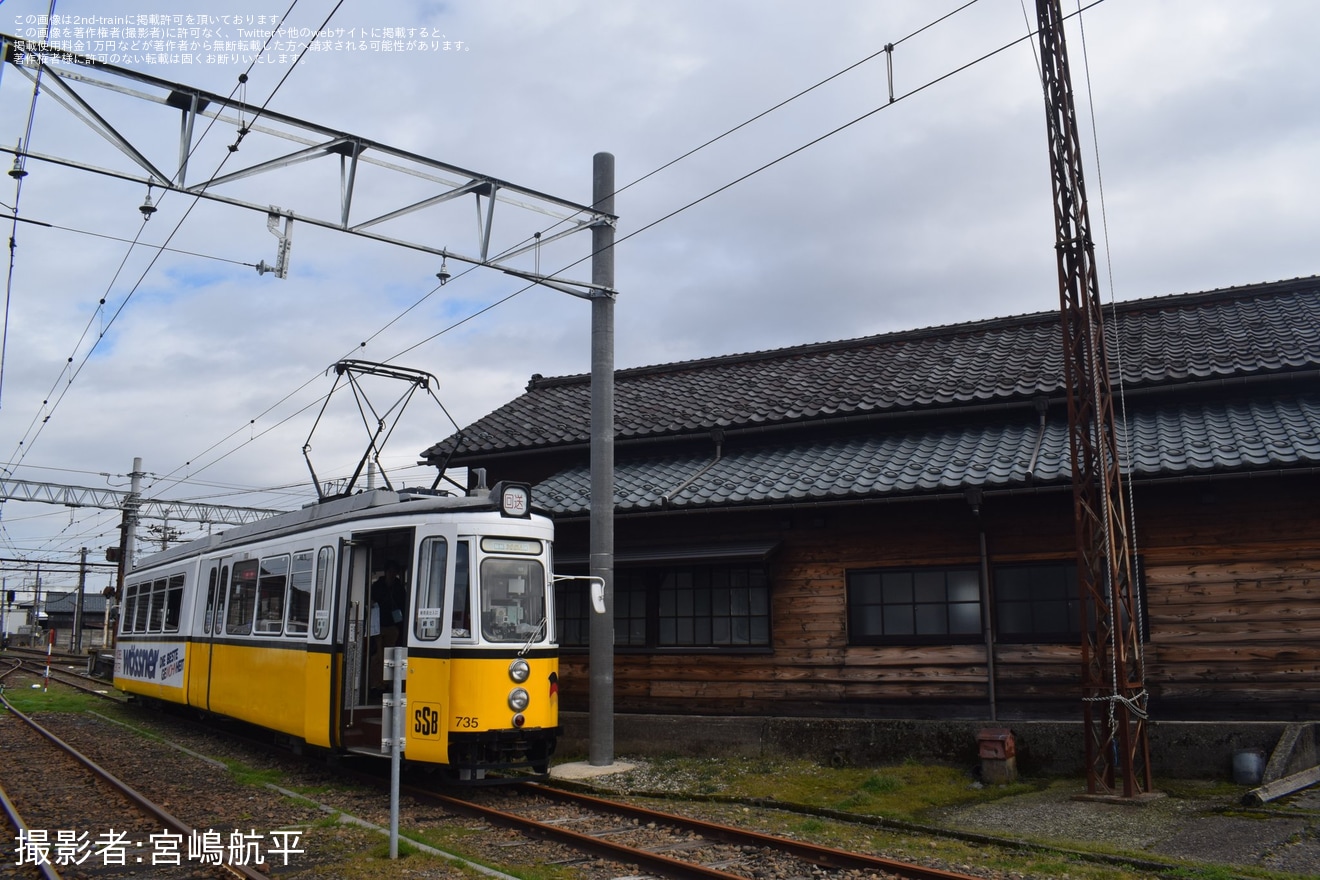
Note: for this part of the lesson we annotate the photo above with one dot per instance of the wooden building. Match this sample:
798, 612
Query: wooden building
883, 527
61, 612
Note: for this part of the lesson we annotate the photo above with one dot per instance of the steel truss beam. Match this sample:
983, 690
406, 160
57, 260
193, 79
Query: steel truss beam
66, 78
111, 499
1113, 673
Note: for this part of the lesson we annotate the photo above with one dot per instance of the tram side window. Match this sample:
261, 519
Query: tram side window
242, 598
126, 609
461, 616
156, 618
325, 564
173, 602
300, 593
270, 594
129, 612
210, 599
143, 607
220, 590
431, 588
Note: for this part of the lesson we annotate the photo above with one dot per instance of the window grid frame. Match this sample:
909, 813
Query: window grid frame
919, 610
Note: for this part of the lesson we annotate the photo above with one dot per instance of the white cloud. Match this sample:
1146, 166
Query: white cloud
933, 210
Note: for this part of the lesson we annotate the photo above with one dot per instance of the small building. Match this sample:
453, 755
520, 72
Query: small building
60, 615
883, 527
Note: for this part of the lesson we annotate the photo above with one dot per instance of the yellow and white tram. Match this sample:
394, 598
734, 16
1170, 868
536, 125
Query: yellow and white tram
284, 623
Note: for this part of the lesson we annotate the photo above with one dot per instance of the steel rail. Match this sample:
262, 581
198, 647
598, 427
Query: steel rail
102, 692
666, 866
11, 812
141, 802
645, 859
819, 855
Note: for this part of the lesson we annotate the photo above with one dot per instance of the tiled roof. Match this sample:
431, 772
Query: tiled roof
1166, 341
65, 603
1194, 438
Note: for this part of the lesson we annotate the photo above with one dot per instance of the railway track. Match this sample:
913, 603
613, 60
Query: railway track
77, 680
669, 845
39, 655
599, 838
525, 825
72, 818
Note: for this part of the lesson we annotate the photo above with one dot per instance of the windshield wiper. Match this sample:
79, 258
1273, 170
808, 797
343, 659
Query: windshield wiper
536, 633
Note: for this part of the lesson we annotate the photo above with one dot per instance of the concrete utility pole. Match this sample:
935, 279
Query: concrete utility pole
128, 525
430, 184
75, 640
36, 600
601, 735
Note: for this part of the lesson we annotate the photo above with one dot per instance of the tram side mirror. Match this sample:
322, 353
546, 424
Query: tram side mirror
598, 596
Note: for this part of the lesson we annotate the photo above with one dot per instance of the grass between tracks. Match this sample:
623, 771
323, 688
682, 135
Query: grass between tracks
913, 793
908, 792
29, 699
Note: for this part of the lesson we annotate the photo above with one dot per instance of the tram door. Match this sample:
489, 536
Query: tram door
213, 586
375, 594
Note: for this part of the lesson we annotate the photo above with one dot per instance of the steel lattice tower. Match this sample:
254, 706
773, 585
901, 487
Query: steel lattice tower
1113, 675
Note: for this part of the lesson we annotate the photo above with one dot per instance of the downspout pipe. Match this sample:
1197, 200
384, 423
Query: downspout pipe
974, 499
1042, 407
718, 436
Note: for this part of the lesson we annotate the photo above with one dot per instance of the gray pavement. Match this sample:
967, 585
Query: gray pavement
1283, 835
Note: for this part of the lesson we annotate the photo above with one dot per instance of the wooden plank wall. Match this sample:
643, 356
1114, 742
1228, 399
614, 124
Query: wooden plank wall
1233, 580
1234, 600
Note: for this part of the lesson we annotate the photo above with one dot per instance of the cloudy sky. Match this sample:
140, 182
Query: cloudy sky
866, 216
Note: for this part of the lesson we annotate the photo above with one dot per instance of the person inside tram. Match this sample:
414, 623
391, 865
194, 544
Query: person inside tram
389, 608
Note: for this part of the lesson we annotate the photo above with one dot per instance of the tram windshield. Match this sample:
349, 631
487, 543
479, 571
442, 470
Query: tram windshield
512, 599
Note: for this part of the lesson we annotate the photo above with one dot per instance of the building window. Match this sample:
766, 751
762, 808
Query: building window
630, 604
1037, 603
1041, 602
714, 605
914, 606
573, 613
675, 607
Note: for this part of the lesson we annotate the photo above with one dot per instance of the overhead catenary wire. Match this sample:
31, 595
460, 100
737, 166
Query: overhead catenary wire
648, 226
171, 250
531, 285
246, 126
38, 419
18, 173
1126, 439
755, 171
25, 444
161, 249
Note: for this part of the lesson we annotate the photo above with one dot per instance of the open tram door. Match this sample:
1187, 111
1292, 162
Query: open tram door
374, 604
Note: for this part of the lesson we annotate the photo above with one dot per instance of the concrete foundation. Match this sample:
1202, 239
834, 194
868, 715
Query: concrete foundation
1181, 750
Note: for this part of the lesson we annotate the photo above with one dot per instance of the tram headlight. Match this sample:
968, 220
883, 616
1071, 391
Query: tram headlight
518, 699
519, 670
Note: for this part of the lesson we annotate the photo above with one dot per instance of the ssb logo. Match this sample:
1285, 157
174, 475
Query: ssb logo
426, 721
